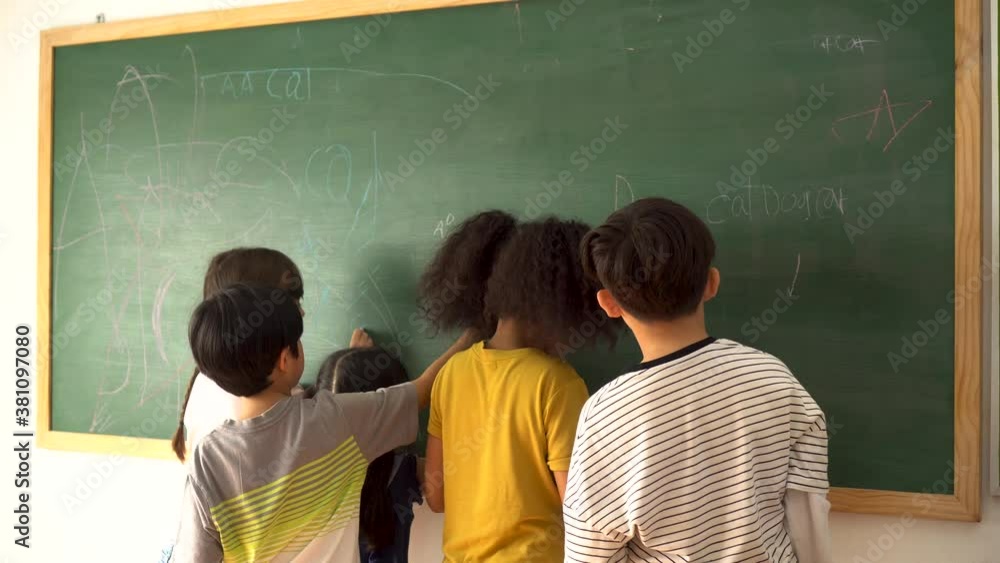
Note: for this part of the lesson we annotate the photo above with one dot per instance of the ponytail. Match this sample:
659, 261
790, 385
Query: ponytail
378, 520
178, 442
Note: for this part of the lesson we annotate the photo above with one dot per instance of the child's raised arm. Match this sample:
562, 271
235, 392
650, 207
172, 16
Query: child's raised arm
425, 382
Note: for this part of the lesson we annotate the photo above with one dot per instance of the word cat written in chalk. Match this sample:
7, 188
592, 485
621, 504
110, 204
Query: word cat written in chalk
761, 201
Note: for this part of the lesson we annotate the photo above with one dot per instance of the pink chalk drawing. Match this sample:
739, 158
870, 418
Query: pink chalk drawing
884, 105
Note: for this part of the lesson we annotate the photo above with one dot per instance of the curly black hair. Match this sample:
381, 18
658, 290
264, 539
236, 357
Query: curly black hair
539, 279
452, 289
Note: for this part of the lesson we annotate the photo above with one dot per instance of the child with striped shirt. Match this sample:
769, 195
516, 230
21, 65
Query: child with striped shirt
282, 479
708, 450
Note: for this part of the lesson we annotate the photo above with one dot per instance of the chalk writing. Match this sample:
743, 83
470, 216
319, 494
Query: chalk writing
840, 43
327, 164
133, 74
391, 322
294, 83
371, 191
622, 183
443, 224
520, 29
885, 105
279, 84
149, 182
754, 202
161, 296
798, 263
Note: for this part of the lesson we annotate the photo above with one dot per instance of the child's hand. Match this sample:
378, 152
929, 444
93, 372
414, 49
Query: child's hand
361, 339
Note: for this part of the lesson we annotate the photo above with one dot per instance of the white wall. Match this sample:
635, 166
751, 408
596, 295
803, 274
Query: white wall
133, 511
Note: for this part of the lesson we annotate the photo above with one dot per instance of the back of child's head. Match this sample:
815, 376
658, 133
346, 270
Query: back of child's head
453, 287
653, 256
238, 334
263, 266
538, 279
360, 370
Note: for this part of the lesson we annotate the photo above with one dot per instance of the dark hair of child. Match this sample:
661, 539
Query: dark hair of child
360, 370
241, 265
452, 289
538, 279
238, 334
653, 256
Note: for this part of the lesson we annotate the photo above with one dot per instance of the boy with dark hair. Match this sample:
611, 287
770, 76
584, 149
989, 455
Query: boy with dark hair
719, 452
282, 481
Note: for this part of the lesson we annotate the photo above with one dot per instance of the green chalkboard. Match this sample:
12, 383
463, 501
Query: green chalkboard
354, 145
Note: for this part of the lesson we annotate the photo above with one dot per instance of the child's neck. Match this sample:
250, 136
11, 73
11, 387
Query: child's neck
256, 405
512, 334
660, 338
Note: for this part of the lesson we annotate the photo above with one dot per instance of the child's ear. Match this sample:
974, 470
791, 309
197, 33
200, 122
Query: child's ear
712, 285
609, 304
286, 361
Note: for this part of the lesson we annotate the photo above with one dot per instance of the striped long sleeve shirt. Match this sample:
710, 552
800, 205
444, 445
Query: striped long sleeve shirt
688, 459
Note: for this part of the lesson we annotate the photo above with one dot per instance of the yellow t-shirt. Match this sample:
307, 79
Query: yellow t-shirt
506, 420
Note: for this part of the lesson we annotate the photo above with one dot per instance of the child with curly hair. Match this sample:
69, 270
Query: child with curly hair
504, 412
453, 287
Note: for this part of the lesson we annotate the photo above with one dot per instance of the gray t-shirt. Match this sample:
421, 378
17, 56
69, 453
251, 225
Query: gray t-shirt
286, 485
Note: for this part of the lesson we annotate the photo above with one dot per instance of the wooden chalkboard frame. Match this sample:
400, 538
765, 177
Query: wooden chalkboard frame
991, 226
964, 504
